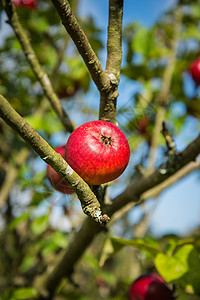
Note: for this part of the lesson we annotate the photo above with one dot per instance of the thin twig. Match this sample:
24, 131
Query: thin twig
89, 202
165, 90
35, 65
169, 141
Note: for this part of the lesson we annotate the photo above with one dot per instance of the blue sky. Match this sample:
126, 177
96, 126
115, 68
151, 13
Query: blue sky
178, 208
144, 11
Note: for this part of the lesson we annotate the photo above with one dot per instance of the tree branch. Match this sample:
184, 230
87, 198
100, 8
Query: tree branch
135, 190
88, 231
89, 202
187, 169
73, 28
114, 42
35, 65
47, 284
107, 110
157, 190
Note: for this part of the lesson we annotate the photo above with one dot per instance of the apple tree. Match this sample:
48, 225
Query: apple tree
63, 237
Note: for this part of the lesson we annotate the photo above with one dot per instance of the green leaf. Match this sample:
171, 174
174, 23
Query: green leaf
40, 224
146, 244
190, 32
195, 10
52, 243
77, 69
57, 240
18, 220
169, 267
49, 123
183, 267
35, 121
143, 41
39, 23
113, 245
24, 293
28, 262
60, 239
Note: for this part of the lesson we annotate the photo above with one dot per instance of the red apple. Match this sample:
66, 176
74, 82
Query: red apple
17, 3
150, 287
195, 71
98, 151
55, 180
31, 4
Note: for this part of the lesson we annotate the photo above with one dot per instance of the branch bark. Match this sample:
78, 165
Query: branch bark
114, 42
89, 202
108, 100
41, 76
106, 82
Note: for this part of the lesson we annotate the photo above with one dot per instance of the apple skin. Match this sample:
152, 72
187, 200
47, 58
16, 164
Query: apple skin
195, 71
150, 287
53, 177
98, 151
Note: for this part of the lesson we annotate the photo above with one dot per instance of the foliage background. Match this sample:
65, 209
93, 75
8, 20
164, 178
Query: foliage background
37, 223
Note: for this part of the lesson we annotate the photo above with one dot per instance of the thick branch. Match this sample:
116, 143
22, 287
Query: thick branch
35, 65
73, 28
88, 200
47, 285
107, 110
114, 42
